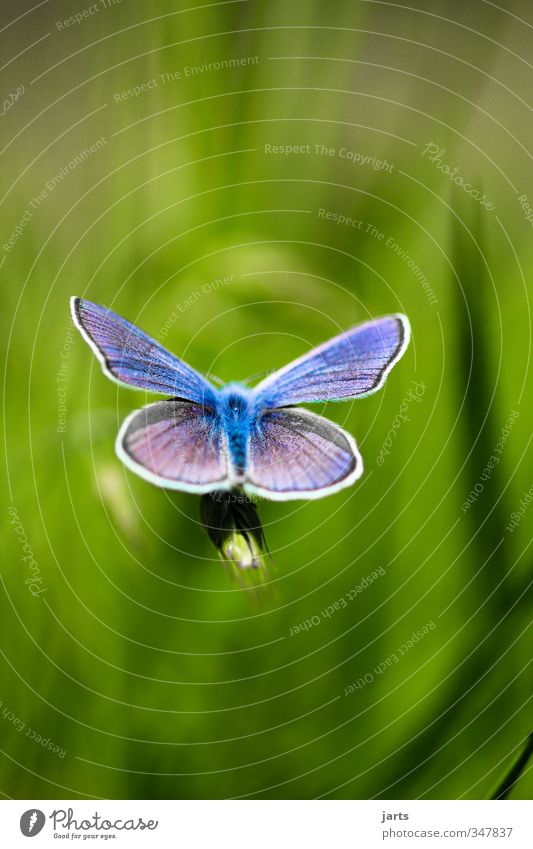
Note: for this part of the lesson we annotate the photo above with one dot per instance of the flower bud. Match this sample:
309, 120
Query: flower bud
233, 526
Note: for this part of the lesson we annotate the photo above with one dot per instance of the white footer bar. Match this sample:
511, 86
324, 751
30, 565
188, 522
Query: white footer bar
267, 824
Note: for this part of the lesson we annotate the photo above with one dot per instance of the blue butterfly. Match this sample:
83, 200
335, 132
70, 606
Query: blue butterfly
203, 438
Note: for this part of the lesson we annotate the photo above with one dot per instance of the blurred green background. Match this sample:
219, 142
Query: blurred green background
137, 667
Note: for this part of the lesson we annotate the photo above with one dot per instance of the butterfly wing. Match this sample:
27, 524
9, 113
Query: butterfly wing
293, 454
356, 363
175, 444
130, 356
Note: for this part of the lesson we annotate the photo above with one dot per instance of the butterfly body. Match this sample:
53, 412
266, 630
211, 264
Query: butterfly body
237, 414
202, 439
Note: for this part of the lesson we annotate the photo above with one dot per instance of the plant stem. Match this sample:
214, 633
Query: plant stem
515, 771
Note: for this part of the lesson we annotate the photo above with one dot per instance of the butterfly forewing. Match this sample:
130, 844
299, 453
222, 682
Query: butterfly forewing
352, 364
130, 356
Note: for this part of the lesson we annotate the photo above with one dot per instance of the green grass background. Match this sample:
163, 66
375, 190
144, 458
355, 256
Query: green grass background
157, 674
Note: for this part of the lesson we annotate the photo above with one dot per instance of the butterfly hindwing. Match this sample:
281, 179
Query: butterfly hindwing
294, 454
175, 444
130, 356
353, 364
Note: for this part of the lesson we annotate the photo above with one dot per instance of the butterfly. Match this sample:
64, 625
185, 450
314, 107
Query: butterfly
203, 438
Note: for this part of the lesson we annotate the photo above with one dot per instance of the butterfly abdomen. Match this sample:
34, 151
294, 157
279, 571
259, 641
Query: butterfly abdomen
237, 447
236, 417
